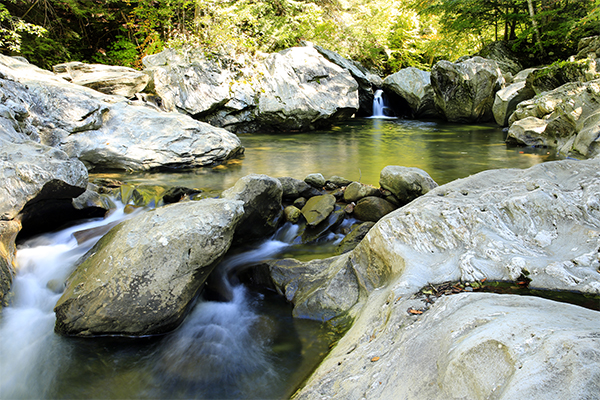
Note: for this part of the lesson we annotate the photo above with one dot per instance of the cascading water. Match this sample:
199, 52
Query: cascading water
248, 347
380, 108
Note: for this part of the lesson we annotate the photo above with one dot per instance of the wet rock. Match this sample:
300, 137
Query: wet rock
261, 195
141, 277
178, 193
406, 183
295, 188
464, 91
338, 181
315, 180
108, 79
318, 208
372, 208
300, 202
292, 214
312, 233
356, 191
8, 253
354, 237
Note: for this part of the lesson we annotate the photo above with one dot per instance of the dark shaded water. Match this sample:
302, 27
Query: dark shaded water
247, 348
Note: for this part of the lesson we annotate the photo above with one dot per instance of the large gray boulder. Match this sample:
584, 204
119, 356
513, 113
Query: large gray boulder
464, 91
551, 77
507, 99
296, 88
507, 60
414, 86
471, 346
108, 79
564, 118
108, 131
368, 82
542, 223
406, 183
262, 197
141, 277
589, 46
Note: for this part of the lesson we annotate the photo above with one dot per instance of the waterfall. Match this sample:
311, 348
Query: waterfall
380, 108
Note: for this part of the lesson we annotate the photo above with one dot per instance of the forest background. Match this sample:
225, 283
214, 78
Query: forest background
383, 35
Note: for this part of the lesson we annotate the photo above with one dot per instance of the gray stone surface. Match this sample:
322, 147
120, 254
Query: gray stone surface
464, 91
108, 79
414, 86
406, 183
107, 131
507, 99
141, 277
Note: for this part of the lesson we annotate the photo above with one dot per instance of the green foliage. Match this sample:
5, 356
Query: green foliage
12, 28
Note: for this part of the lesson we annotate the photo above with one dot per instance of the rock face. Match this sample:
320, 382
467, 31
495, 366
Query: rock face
296, 89
261, 196
367, 81
551, 77
473, 346
8, 251
414, 86
506, 59
542, 223
507, 99
565, 118
141, 277
108, 79
587, 46
464, 91
107, 131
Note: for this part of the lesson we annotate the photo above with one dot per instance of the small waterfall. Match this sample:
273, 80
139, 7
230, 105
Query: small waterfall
380, 108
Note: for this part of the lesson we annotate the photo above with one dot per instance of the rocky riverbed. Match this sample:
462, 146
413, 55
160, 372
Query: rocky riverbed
542, 224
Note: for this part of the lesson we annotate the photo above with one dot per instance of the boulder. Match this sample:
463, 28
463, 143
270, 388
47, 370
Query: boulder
108, 131
304, 91
372, 208
294, 89
352, 239
471, 346
414, 86
367, 81
261, 196
318, 208
295, 188
356, 191
500, 51
108, 79
507, 99
8, 253
142, 276
406, 183
551, 77
315, 180
587, 46
292, 214
566, 112
464, 91
314, 233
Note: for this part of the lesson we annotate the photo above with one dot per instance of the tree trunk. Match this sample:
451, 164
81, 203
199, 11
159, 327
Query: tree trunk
535, 26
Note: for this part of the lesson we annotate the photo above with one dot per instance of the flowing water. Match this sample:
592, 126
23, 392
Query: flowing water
248, 347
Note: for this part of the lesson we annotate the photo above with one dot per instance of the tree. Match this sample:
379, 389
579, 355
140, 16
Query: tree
12, 28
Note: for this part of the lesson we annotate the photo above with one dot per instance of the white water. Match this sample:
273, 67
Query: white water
219, 351
380, 108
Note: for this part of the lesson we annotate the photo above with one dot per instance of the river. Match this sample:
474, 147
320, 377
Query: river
249, 347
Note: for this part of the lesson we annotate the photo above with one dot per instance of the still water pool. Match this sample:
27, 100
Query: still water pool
358, 150
249, 347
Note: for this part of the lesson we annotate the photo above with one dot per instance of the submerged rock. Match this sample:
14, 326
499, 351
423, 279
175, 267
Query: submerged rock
464, 91
141, 277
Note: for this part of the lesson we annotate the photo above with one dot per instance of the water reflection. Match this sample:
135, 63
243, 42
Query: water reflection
359, 149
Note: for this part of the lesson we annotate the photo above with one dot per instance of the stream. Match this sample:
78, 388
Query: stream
249, 347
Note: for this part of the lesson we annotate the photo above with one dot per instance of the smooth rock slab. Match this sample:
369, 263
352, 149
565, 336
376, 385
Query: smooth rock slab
318, 208
467, 346
406, 183
141, 277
